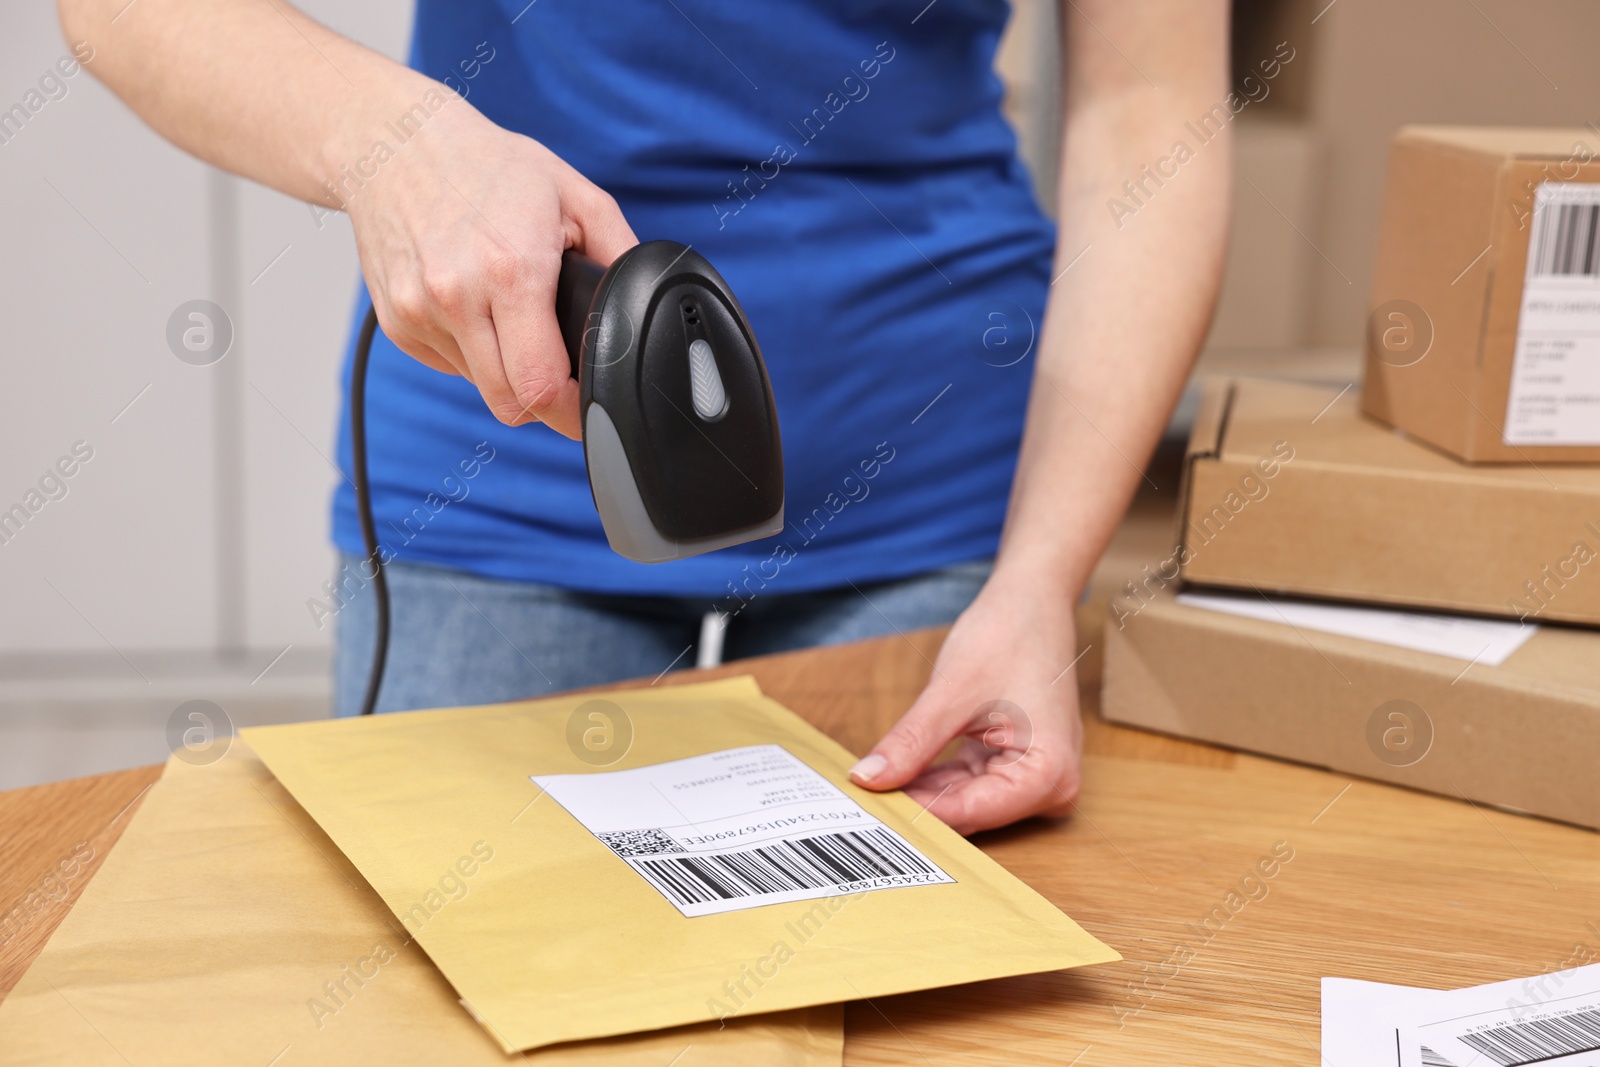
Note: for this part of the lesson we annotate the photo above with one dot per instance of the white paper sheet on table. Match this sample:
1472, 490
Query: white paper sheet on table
1362, 1021
1486, 641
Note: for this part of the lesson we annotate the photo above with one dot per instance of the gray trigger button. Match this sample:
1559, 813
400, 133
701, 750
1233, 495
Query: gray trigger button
705, 384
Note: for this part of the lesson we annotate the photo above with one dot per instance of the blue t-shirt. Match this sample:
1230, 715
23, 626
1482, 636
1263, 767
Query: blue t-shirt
845, 166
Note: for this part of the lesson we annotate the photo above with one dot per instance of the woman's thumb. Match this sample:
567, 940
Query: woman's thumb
907, 749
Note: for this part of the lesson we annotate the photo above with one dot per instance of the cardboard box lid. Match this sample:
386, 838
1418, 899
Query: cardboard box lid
1516, 142
1327, 430
1353, 510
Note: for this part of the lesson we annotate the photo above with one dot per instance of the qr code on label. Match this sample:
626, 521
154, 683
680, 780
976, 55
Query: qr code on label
639, 842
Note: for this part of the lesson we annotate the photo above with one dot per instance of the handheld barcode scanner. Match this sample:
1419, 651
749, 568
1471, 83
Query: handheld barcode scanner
679, 429
680, 432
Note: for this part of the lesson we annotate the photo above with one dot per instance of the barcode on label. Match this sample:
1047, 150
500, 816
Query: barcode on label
1431, 1058
1567, 241
1538, 1039
837, 860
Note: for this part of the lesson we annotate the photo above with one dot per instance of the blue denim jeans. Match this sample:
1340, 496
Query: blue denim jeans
458, 639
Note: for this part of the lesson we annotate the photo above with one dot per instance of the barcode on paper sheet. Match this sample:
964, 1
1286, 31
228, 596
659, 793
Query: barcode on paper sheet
1538, 1039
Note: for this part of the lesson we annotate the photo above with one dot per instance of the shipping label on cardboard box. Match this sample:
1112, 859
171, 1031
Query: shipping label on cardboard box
1555, 376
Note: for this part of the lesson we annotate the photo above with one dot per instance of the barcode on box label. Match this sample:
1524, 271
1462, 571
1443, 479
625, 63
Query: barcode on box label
1538, 1039
1566, 241
844, 862
1431, 1058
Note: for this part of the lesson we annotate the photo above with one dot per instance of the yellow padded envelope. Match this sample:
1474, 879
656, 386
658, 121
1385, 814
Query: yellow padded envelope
563, 936
225, 928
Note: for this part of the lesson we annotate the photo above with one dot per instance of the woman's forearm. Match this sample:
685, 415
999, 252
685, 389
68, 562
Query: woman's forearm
1134, 290
257, 88
462, 235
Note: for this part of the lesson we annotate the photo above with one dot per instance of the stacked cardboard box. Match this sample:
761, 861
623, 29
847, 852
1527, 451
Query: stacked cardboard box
1484, 332
1456, 503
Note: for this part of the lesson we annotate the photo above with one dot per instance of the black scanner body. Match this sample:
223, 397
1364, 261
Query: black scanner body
680, 431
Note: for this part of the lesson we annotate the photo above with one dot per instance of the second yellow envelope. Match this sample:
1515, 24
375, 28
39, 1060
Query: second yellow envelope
580, 927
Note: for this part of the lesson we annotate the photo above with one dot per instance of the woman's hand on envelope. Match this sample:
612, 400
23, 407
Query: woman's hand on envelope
1002, 686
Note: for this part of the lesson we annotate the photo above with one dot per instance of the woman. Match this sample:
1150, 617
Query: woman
966, 394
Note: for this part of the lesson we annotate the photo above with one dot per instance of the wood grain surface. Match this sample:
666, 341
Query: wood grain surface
1164, 860
52, 840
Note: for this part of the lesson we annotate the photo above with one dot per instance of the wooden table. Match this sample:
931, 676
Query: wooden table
1383, 884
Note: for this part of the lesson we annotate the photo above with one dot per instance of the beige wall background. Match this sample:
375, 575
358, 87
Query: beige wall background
1294, 296
179, 565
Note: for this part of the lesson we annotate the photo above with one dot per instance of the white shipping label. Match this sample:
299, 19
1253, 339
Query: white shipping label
740, 828
1555, 373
